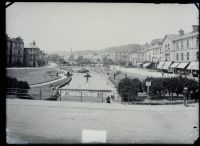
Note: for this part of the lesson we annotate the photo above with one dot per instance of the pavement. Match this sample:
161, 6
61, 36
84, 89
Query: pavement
47, 122
147, 72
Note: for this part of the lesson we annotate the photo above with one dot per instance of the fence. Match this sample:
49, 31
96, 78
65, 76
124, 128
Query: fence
80, 95
29, 93
84, 95
144, 98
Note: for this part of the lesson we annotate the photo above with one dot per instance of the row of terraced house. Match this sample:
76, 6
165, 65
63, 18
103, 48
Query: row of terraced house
19, 55
175, 53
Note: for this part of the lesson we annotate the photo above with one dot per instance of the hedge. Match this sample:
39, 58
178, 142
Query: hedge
14, 83
159, 88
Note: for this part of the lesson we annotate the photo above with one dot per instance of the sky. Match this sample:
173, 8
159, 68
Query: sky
58, 27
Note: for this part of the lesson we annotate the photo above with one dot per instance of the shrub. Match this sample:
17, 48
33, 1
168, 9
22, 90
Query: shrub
129, 88
161, 86
157, 87
22, 86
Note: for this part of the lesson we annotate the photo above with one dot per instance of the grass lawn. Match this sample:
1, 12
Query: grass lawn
45, 90
35, 76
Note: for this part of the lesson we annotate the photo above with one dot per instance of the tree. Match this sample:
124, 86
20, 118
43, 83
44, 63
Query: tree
80, 59
105, 59
21, 87
72, 58
110, 61
129, 88
161, 86
61, 60
54, 57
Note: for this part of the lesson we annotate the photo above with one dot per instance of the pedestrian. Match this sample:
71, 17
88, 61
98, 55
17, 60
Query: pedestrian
112, 97
185, 96
162, 74
195, 94
108, 99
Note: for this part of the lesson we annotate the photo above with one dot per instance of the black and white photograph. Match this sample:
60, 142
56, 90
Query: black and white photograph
102, 73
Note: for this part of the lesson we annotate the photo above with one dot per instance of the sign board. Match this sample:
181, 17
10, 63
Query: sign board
148, 83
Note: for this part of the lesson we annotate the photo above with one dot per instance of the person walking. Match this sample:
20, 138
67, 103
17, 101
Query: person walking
194, 95
108, 100
113, 98
185, 96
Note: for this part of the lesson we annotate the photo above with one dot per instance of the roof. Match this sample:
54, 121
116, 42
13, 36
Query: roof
19, 39
187, 35
172, 36
31, 45
155, 41
175, 37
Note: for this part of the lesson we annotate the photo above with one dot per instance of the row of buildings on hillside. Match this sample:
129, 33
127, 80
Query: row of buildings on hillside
173, 53
19, 55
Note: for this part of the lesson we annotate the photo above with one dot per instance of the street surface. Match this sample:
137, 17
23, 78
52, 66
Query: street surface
33, 121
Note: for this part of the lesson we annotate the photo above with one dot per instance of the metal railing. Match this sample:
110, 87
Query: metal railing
97, 96
83, 95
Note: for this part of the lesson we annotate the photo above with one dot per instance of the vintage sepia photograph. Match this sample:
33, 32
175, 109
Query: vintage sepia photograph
103, 73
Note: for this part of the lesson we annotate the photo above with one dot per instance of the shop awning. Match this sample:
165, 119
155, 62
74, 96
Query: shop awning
193, 66
139, 64
182, 65
166, 65
160, 65
174, 65
146, 64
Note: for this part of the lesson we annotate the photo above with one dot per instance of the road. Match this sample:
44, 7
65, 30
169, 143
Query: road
33, 121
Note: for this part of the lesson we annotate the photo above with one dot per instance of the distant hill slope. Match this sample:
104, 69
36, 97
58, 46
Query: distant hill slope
129, 48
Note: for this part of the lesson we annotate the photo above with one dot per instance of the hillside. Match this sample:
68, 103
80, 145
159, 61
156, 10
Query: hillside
131, 48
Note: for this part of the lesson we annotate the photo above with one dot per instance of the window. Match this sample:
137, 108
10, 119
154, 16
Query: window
187, 43
197, 54
197, 41
188, 54
182, 56
177, 45
177, 57
181, 44
167, 56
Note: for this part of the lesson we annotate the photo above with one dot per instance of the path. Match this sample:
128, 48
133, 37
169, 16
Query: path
65, 122
147, 72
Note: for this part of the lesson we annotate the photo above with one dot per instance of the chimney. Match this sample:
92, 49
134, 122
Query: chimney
34, 42
195, 28
181, 32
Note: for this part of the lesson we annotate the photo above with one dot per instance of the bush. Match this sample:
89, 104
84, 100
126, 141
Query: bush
157, 87
161, 86
128, 88
14, 83
22, 86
